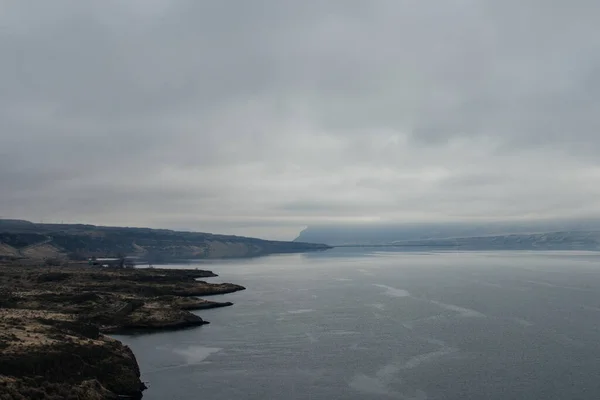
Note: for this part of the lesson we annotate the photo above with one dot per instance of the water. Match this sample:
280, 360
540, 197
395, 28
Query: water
350, 324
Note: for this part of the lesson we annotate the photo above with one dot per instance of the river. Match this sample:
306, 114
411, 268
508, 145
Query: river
357, 324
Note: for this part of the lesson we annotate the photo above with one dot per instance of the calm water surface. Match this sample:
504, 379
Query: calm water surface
350, 324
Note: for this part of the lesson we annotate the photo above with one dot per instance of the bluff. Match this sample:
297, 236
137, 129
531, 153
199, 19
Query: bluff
53, 323
23, 239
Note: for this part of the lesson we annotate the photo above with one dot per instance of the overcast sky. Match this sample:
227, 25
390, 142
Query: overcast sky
261, 117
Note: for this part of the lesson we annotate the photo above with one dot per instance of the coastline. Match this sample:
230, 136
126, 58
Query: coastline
62, 316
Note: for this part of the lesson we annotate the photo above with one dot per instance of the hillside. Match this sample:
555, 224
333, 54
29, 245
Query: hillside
563, 230
23, 239
568, 240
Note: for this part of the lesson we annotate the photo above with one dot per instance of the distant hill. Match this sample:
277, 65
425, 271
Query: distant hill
571, 240
17, 224
549, 234
24, 239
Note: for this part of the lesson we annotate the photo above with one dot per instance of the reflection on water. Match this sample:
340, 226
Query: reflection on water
356, 324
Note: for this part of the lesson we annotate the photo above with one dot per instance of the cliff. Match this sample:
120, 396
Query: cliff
40, 359
52, 326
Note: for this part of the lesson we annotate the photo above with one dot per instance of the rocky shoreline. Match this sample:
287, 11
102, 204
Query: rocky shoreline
53, 326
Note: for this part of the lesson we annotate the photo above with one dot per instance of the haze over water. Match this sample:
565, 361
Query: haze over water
350, 324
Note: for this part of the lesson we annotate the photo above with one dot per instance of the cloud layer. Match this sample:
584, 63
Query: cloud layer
261, 117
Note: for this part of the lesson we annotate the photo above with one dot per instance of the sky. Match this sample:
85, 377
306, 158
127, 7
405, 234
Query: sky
262, 117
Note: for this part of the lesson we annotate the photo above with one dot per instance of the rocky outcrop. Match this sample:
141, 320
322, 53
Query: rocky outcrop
58, 358
37, 388
52, 326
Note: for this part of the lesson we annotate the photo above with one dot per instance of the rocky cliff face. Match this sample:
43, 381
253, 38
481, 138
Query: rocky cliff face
52, 325
56, 358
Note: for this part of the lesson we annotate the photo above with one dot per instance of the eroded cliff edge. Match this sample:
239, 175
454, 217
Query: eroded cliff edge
53, 324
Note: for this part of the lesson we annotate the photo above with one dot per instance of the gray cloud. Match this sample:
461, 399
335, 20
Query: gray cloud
261, 117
